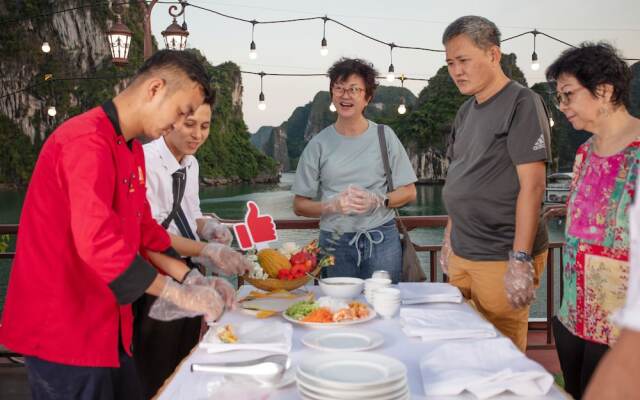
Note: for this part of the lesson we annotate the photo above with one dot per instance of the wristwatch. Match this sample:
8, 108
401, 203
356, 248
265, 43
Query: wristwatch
522, 256
386, 201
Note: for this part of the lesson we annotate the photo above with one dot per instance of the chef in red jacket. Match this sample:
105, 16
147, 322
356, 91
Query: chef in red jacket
84, 227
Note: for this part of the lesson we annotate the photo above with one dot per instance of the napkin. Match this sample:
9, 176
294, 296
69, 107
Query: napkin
437, 324
485, 368
268, 336
436, 292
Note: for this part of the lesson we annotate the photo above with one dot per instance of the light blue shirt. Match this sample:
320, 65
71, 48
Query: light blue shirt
331, 162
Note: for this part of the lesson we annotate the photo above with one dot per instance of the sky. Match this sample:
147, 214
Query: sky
295, 47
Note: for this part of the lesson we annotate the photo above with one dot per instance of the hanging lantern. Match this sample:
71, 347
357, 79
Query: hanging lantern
175, 38
119, 36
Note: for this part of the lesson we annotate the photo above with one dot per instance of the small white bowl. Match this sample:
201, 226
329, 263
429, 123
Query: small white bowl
343, 287
386, 310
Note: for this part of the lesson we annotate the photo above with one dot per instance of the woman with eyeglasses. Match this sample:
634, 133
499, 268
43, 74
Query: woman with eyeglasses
593, 85
341, 179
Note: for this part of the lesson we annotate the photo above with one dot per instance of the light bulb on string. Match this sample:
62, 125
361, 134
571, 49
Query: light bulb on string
262, 104
323, 47
253, 54
45, 47
551, 122
323, 44
391, 73
332, 107
391, 76
402, 108
535, 64
51, 111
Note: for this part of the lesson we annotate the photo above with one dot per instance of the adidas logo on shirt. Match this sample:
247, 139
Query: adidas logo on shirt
539, 144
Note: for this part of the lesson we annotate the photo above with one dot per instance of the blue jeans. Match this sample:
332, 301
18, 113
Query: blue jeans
359, 254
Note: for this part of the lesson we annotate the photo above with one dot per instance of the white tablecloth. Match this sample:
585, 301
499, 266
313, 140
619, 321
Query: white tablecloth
187, 385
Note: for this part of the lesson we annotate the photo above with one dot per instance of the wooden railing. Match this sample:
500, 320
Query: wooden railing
436, 221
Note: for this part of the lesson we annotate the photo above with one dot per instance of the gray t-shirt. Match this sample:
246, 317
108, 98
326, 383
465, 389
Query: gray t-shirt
331, 162
487, 142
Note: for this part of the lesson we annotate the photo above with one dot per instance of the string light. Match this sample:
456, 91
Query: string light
253, 54
323, 44
402, 109
551, 122
262, 105
391, 76
535, 64
52, 111
45, 47
332, 107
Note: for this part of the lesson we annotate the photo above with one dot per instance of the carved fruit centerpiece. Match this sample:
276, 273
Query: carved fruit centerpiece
286, 268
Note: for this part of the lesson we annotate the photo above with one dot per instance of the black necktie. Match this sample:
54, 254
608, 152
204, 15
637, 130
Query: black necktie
177, 214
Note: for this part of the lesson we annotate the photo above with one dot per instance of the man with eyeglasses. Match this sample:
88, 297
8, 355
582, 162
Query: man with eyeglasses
495, 246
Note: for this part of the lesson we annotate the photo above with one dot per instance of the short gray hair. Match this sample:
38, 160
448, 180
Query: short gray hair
480, 30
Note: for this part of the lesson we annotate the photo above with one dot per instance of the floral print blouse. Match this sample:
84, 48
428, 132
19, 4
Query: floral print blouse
596, 253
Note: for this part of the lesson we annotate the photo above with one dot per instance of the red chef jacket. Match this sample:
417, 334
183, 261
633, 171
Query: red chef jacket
78, 267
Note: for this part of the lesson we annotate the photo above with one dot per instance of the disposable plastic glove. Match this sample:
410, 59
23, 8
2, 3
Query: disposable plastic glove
186, 301
222, 286
337, 204
224, 257
214, 231
445, 253
518, 282
364, 201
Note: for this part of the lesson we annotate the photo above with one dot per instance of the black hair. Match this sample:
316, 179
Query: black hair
595, 64
345, 67
183, 61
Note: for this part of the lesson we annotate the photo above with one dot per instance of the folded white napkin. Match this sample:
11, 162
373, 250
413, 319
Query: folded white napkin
437, 324
436, 292
269, 336
483, 367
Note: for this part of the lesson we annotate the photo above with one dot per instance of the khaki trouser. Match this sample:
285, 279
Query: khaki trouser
483, 283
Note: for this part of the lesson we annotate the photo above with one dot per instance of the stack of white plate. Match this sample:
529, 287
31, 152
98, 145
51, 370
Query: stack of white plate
352, 376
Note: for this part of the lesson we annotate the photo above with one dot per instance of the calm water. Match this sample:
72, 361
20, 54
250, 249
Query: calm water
229, 202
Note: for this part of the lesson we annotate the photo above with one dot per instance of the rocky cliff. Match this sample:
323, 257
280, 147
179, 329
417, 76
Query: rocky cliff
79, 49
306, 121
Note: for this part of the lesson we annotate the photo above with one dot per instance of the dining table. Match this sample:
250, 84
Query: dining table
185, 384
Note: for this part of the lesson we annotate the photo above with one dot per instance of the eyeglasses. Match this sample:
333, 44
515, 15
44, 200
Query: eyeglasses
564, 98
351, 90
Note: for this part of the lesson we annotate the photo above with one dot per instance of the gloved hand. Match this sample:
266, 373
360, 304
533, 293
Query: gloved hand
224, 257
445, 253
186, 300
222, 286
364, 201
518, 282
337, 204
214, 231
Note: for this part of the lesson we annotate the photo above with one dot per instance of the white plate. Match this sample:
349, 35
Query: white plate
343, 340
387, 391
351, 370
372, 315
310, 394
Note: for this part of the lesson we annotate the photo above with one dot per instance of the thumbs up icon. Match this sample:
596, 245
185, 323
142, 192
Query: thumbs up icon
256, 230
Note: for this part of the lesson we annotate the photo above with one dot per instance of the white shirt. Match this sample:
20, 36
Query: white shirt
629, 316
160, 164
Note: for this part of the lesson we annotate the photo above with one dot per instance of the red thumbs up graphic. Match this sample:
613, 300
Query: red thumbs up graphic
257, 229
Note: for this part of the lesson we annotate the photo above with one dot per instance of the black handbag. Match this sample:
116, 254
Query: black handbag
411, 269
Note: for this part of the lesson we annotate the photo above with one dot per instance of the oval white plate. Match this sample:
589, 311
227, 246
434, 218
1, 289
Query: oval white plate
390, 390
343, 340
312, 394
372, 315
343, 370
